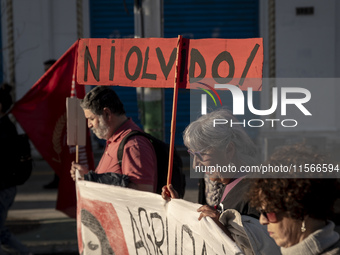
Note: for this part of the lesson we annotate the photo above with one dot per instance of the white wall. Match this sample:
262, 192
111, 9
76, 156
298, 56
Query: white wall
306, 43
307, 46
43, 29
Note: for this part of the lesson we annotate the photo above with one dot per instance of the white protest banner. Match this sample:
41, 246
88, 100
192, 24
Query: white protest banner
115, 220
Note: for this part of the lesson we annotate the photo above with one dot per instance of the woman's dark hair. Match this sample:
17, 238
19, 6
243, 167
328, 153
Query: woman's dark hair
298, 197
99, 98
5, 97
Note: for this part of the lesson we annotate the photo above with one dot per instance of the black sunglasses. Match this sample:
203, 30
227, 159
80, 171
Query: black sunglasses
270, 216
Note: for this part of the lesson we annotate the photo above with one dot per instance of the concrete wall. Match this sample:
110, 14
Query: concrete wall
307, 46
43, 29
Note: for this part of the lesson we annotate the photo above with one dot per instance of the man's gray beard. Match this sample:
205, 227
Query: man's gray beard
103, 129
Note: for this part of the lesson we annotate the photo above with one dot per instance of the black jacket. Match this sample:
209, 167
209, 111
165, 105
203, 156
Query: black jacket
8, 135
237, 199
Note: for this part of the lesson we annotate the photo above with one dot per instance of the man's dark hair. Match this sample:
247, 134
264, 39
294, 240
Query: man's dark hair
99, 98
5, 97
50, 62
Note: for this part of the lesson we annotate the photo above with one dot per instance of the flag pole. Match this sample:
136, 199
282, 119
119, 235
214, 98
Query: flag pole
73, 94
174, 109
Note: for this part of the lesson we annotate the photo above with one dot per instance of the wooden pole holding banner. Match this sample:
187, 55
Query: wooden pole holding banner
76, 122
174, 109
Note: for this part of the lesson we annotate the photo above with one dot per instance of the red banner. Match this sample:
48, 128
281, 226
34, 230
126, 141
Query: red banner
42, 114
150, 62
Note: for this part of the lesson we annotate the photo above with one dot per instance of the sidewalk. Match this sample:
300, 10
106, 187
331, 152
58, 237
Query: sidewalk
34, 220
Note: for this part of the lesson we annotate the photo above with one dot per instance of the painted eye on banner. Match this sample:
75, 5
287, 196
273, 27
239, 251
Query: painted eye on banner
95, 232
92, 246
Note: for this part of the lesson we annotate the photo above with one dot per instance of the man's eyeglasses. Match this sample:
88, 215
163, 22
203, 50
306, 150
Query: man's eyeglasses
270, 216
198, 154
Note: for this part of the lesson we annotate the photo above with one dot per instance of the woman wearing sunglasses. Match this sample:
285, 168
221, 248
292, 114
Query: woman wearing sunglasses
215, 149
297, 211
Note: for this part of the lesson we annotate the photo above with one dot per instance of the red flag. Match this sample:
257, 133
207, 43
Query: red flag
42, 114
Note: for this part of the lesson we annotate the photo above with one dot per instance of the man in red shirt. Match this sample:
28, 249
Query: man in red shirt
107, 119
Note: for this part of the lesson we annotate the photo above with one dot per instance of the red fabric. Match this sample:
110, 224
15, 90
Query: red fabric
42, 114
139, 160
